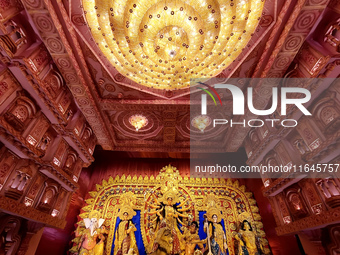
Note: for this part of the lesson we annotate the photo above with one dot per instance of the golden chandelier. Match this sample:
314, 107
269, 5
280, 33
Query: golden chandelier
163, 44
138, 121
201, 122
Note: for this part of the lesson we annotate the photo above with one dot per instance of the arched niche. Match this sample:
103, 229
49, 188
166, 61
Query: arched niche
296, 202
70, 161
48, 196
21, 112
87, 133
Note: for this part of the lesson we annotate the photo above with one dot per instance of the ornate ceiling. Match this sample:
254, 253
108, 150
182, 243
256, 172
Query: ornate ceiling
164, 44
125, 58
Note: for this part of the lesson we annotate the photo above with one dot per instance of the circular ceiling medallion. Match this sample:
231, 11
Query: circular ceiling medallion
163, 44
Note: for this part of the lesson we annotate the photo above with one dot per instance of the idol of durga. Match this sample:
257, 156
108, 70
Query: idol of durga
169, 214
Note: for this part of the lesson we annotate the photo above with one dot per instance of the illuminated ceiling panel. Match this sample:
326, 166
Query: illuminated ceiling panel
163, 44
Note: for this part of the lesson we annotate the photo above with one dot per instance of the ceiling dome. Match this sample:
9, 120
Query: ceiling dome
163, 44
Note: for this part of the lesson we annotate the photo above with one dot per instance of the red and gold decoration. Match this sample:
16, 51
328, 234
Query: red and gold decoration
163, 44
192, 194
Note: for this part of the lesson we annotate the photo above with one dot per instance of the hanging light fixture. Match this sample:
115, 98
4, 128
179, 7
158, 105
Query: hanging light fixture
201, 122
138, 121
162, 44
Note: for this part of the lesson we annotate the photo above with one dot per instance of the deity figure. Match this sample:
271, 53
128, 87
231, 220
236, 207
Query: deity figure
168, 216
217, 240
88, 244
248, 241
191, 239
216, 235
125, 240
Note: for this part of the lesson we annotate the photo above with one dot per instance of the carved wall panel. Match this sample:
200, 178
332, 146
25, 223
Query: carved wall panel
79, 126
60, 203
77, 169
59, 155
298, 145
19, 180
32, 96
309, 134
332, 37
39, 60
45, 141
330, 189
7, 164
54, 83
9, 8
15, 40
65, 102
283, 209
283, 154
8, 84
35, 190
21, 112
315, 203
311, 60
86, 135
38, 130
